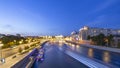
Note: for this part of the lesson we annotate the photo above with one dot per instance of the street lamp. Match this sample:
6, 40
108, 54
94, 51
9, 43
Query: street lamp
1, 51
20, 42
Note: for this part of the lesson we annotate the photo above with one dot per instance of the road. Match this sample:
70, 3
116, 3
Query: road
10, 51
26, 60
9, 61
55, 58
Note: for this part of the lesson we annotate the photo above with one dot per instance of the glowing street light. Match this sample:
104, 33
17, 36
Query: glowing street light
20, 42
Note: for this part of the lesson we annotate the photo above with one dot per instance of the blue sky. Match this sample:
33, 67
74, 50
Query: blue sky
53, 17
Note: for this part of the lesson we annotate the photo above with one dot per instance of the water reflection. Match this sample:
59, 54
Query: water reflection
70, 44
60, 44
78, 48
101, 55
73, 47
90, 52
106, 57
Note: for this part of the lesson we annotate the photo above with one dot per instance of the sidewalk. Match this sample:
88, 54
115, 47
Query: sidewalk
10, 61
103, 48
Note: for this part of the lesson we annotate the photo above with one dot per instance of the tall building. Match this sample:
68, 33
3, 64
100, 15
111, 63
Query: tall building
83, 33
75, 36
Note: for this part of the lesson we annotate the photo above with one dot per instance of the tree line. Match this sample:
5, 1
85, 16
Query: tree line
101, 39
12, 40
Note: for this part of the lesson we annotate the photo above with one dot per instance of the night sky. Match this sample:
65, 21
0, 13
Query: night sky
55, 17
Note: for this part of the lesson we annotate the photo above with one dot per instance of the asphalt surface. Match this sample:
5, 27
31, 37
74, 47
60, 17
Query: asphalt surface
55, 58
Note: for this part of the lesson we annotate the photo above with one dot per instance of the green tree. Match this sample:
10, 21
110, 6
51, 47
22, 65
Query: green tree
110, 39
118, 44
20, 50
99, 39
26, 47
88, 37
11, 40
94, 39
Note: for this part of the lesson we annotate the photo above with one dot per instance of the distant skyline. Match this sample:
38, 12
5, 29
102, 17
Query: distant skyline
56, 17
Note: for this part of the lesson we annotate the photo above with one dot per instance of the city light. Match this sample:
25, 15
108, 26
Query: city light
59, 34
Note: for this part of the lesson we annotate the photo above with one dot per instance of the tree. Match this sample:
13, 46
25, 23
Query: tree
110, 39
118, 44
11, 40
26, 47
88, 37
20, 50
99, 39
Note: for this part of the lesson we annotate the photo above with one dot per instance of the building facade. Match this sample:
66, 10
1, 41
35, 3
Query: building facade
116, 41
90, 31
74, 36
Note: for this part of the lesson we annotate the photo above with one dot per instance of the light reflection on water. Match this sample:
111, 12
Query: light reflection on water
78, 48
70, 44
73, 47
60, 44
97, 54
106, 57
90, 52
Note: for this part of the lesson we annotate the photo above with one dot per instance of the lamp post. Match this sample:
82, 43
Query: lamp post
1, 50
2, 59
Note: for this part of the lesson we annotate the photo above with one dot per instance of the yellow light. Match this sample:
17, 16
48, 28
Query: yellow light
77, 46
20, 42
90, 52
106, 57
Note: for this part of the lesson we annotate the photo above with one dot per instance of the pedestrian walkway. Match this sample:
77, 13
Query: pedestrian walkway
103, 48
10, 61
99, 47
